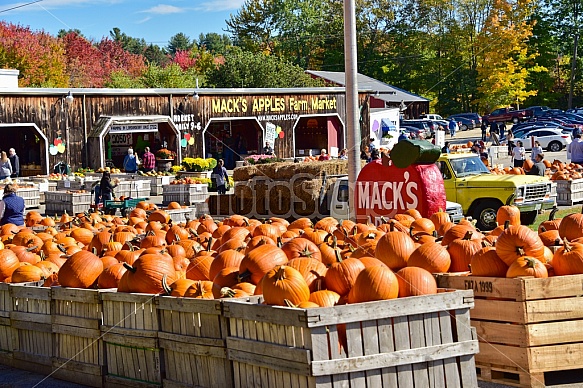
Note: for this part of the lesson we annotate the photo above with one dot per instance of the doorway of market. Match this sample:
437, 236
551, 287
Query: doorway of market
232, 140
29, 145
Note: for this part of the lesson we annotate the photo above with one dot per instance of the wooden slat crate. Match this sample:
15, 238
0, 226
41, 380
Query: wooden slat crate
526, 327
6, 331
192, 336
79, 351
32, 323
421, 341
130, 333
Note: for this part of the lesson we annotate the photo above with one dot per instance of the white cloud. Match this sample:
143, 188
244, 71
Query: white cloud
164, 9
143, 20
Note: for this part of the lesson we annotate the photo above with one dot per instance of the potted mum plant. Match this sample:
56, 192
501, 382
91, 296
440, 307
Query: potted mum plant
198, 167
164, 159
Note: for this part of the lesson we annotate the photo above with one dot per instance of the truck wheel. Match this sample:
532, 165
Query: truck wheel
515, 120
528, 218
554, 146
485, 214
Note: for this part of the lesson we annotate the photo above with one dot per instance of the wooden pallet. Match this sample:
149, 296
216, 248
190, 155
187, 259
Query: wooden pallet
77, 319
130, 333
526, 326
421, 341
32, 323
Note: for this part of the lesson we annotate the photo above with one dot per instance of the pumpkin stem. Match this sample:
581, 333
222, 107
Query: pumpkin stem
485, 244
520, 251
129, 267
338, 256
243, 276
209, 242
288, 303
568, 247
543, 229
506, 224
553, 212
227, 292
165, 285
468, 235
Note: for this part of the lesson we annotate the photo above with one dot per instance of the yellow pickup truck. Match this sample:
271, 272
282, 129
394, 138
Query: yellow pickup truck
469, 182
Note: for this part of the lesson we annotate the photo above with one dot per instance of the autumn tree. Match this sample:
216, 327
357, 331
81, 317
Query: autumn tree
38, 56
179, 42
505, 62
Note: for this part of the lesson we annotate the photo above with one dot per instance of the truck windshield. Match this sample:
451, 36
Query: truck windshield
469, 166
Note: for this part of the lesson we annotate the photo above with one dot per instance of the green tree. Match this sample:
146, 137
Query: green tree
179, 42
243, 69
254, 26
214, 43
121, 80
156, 56
170, 76
129, 44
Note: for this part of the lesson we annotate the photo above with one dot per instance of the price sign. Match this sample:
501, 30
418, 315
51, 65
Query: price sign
270, 133
119, 139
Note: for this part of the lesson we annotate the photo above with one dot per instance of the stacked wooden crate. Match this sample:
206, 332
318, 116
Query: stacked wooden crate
185, 194
192, 336
528, 328
6, 330
421, 341
31, 319
79, 352
130, 333
569, 192
59, 202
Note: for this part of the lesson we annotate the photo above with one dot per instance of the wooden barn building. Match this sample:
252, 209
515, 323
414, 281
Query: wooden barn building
95, 127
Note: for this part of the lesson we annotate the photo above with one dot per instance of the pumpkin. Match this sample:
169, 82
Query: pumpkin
178, 288
27, 273
259, 261
284, 283
325, 298
527, 266
301, 247
173, 206
227, 277
342, 274
551, 223
8, 263
415, 281
199, 267
568, 259
255, 242
433, 257
517, 241
394, 249
374, 283
111, 276
508, 213
312, 270
160, 216
200, 289
228, 258
485, 262
80, 270
571, 226
461, 251
145, 275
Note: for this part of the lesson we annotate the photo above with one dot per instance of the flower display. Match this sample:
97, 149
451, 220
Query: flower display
261, 159
165, 153
199, 164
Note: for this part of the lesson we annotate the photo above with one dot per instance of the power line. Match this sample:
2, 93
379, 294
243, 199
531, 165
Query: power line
20, 6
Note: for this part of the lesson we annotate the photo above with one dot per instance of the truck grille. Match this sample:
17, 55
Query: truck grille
535, 191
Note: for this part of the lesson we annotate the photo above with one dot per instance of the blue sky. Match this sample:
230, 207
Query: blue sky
155, 21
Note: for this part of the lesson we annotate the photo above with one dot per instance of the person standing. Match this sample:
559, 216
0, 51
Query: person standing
537, 149
106, 187
371, 145
12, 206
484, 128
130, 162
14, 162
518, 154
452, 127
149, 160
538, 168
494, 133
324, 155
576, 149
5, 166
220, 177
445, 149
343, 154
501, 129
509, 138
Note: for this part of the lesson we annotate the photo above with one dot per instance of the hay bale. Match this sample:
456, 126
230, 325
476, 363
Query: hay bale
244, 173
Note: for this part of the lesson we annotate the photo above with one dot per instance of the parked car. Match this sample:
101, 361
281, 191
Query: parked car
431, 116
474, 116
413, 132
538, 110
464, 122
420, 124
551, 139
508, 114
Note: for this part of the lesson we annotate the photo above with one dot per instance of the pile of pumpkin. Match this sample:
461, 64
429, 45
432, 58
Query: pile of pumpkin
186, 181
560, 171
296, 264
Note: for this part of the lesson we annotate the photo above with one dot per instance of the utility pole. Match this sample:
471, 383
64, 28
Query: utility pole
351, 87
573, 69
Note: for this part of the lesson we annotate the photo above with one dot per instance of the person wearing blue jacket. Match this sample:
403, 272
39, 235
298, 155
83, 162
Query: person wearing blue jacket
11, 207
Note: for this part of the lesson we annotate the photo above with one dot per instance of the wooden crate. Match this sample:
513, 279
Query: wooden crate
526, 327
182, 215
32, 323
192, 336
130, 333
424, 341
79, 351
7, 333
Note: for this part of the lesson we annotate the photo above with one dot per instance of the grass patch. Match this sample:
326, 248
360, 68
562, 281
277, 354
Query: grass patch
560, 214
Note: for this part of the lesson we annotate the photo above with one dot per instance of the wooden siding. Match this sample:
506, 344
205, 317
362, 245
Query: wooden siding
73, 121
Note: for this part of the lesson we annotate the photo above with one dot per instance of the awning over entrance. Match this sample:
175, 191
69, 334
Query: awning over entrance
123, 125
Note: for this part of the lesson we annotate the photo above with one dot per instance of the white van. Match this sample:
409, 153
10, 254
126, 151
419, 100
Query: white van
431, 116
